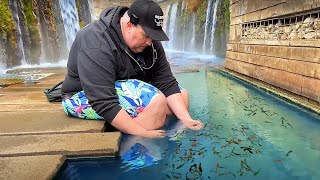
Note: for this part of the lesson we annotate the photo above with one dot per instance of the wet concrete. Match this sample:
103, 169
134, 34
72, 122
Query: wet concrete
36, 136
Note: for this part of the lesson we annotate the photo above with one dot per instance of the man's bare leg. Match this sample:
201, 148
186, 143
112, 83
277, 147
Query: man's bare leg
154, 115
185, 97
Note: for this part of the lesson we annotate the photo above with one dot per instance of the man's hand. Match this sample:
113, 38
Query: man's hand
154, 134
193, 124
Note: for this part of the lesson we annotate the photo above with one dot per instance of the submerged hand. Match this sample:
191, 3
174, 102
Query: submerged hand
193, 124
154, 134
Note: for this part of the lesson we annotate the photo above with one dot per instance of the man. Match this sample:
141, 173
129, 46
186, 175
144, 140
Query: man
118, 72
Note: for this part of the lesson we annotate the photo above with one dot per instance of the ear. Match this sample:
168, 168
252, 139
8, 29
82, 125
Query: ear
129, 24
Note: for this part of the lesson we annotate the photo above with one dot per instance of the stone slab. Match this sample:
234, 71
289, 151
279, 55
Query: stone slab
30, 167
21, 108
21, 90
297, 67
15, 123
29, 98
69, 145
296, 53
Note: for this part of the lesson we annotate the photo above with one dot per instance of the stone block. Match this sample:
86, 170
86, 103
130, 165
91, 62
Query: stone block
232, 55
297, 53
274, 51
30, 98
302, 42
285, 80
302, 68
18, 90
241, 67
30, 167
311, 88
37, 122
69, 145
293, 6
232, 33
21, 108
238, 20
304, 54
252, 16
272, 11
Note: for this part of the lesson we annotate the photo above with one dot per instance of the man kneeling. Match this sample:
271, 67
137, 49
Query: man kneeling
118, 72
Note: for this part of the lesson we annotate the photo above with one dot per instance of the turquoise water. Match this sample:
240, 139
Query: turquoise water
248, 134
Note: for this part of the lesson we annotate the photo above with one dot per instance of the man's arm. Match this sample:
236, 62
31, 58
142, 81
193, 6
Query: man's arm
126, 124
166, 82
179, 108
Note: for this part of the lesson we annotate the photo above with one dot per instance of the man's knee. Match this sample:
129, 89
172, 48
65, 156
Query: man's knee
161, 103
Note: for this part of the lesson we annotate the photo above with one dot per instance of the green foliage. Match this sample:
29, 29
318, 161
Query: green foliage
32, 26
81, 21
7, 27
201, 17
31, 21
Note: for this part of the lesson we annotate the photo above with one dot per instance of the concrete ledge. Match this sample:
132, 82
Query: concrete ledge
70, 145
30, 167
37, 136
19, 108
17, 123
30, 98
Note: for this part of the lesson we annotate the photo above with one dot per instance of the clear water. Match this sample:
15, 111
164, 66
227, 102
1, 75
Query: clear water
248, 134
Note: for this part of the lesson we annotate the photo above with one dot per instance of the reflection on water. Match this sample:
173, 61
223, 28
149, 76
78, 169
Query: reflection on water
248, 134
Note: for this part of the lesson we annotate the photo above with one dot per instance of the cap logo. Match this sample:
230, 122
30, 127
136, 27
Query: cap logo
158, 20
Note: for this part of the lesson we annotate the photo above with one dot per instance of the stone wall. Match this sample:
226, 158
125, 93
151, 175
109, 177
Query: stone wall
278, 42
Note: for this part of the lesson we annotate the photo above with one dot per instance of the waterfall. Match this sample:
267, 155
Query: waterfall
91, 6
14, 8
193, 39
206, 25
70, 19
214, 22
166, 24
172, 25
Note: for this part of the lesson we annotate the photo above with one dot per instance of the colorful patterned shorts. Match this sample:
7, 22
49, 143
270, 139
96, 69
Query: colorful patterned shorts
134, 95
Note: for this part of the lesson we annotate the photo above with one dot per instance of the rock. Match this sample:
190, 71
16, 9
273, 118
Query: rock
10, 81
310, 35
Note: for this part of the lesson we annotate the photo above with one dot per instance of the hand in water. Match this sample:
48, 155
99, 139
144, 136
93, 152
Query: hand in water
193, 124
154, 134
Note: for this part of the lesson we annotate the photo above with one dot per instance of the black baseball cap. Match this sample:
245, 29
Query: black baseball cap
149, 16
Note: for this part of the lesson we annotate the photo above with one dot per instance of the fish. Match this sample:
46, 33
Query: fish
288, 153
217, 167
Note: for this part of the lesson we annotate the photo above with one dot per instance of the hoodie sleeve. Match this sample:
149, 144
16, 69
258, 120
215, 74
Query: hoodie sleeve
162, 77
97, 72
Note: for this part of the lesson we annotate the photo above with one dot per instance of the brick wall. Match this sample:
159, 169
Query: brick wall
278, 42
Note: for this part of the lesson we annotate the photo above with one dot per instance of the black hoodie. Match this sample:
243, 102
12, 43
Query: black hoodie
99, 57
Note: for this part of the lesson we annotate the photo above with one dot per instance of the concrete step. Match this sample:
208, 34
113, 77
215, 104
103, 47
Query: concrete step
69, 145
30, 107
38, 122
30, 167
29, 98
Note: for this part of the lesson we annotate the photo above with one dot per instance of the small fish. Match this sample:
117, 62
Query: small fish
195, 143
217, 167
288, 153
277, 160
200, 168
231, 141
